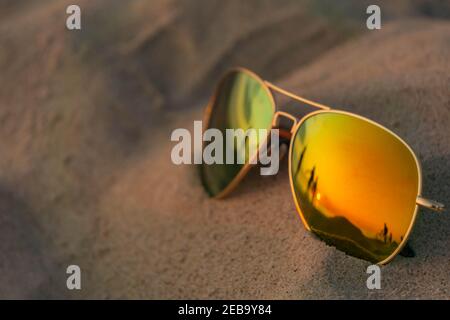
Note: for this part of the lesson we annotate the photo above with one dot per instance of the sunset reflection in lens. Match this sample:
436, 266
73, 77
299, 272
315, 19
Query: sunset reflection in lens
355, 184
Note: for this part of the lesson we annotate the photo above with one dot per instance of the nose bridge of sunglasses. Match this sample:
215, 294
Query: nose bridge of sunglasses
285, 131
296, 97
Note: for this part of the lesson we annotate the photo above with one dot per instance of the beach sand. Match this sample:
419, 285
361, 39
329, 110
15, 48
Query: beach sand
86, 175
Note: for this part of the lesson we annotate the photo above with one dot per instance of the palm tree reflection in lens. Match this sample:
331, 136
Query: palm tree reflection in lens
355, 184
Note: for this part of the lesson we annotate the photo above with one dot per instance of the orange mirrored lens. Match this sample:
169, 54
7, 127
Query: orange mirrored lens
355, 184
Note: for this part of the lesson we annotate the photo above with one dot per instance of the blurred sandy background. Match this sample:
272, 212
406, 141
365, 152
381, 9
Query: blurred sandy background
85, 123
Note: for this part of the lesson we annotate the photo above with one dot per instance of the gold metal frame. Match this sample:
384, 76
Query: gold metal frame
420, 201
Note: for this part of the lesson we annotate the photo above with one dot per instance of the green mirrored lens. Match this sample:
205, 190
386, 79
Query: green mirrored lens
355, 184
242, 102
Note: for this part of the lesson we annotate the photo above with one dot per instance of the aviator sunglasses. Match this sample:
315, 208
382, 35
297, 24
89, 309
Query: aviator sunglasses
356, 185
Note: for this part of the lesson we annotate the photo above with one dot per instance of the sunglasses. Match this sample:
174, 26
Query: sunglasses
356, 185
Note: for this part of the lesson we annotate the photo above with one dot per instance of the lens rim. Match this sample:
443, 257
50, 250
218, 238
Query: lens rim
418, 166
207, 117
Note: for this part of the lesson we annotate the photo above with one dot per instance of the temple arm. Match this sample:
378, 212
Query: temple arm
430, 204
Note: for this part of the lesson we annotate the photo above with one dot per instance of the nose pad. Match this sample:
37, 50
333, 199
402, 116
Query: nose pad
283, 150
285, 134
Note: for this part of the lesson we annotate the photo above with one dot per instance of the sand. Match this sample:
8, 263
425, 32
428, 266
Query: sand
86, 176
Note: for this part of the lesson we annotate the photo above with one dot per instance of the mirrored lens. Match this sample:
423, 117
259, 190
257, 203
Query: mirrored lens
242, 102
355, 184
